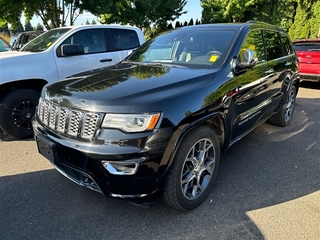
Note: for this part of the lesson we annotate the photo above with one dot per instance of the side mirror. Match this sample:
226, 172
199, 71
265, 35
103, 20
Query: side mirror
249, 62
71, 49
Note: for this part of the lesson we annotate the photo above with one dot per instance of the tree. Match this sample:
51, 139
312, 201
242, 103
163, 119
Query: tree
18, 29
197, 22
191, 22
93, 22
28, 26
144, 13
53, 13
39, 28
177, 24
300, 17
306, 20
4, 29
87, 22
277, 12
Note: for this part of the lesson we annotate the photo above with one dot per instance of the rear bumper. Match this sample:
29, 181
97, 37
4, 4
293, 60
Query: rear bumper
309, 77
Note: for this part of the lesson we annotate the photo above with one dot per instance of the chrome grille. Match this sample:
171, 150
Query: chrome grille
68, 121
62, 120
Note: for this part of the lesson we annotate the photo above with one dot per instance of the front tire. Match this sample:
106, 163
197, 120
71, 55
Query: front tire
283, 116
16, 111
193, 170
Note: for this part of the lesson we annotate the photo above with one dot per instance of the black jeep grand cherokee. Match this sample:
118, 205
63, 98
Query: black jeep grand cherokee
158, 121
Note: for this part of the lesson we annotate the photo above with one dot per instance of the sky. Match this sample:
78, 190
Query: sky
192, 7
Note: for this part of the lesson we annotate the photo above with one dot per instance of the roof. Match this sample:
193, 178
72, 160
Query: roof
248, 24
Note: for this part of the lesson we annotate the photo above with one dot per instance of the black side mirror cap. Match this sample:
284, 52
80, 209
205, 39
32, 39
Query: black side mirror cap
71, 49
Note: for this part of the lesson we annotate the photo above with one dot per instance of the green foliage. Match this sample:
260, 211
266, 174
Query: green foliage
53, 13
39, 28
28, 26
144, 13
4, 29
300, 17
18, 29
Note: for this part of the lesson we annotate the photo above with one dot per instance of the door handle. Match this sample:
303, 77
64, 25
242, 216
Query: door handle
106, 60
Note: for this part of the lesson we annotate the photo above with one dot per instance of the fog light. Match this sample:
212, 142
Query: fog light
121, 168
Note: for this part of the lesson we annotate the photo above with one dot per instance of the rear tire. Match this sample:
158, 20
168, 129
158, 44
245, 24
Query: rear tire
283, 116
16, 112
193, 170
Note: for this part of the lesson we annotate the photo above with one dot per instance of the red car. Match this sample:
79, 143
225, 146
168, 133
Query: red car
308, 51
4, 45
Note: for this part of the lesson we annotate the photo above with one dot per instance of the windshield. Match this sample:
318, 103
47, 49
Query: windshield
44, 41
205, 48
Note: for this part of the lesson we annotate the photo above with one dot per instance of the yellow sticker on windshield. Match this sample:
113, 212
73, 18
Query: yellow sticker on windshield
49, 43
213, 58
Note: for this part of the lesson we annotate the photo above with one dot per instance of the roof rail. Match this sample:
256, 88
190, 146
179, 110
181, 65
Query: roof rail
251, 21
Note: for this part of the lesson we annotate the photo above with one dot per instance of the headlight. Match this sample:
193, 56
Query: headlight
131, 122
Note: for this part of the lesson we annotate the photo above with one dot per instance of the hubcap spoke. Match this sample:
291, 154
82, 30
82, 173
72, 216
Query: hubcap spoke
198, 169
22, 114
290, 105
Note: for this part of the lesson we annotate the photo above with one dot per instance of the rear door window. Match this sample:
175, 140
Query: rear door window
273, 45
124, 39
287, 45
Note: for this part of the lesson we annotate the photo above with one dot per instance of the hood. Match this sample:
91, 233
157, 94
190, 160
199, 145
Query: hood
125, 87
12, 55
22, 65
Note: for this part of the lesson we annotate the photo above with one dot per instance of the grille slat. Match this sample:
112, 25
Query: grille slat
68, 121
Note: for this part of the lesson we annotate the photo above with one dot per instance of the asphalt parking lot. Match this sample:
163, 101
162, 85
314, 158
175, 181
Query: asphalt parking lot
268, 187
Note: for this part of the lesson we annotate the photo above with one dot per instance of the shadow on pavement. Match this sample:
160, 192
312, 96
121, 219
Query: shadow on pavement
271, 165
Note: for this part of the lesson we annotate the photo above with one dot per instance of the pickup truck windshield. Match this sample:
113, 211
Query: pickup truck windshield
44, 41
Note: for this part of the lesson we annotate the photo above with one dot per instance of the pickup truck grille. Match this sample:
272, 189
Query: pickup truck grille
68, 121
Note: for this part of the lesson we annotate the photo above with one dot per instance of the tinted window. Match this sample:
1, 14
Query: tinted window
254, 42
273, 45
125, 39
307, 46
91, 40
286, 43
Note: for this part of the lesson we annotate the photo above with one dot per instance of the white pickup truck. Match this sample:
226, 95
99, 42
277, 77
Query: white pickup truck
52, 56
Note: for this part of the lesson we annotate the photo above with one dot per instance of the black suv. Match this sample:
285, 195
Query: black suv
158, 121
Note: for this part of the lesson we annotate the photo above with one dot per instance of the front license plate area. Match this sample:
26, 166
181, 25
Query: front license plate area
47, 149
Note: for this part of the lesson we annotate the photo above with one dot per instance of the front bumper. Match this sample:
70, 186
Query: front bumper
82, 162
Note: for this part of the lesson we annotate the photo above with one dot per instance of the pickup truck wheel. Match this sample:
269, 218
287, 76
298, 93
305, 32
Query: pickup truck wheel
283, 117
193, 170
16, 111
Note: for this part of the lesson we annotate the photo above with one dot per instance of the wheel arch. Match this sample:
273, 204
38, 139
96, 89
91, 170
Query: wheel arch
35, 84
216, 121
